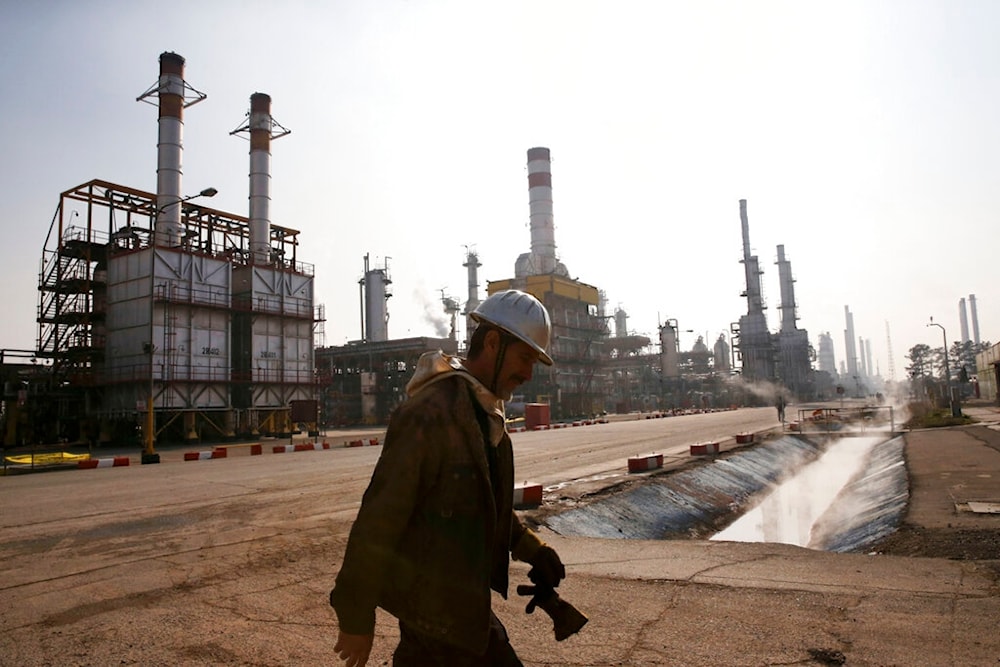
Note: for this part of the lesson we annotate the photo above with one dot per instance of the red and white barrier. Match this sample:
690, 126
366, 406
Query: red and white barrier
744, 438
643, 463
527, 495
301, 447
217, 453
704, 448
371, 442
115, 462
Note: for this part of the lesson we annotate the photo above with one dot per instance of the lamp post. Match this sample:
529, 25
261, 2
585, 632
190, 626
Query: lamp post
956, 408
149, 454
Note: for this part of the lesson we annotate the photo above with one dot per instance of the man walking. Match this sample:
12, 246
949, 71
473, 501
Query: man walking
436, 526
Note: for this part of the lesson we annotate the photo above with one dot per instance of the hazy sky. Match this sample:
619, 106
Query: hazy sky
864, 136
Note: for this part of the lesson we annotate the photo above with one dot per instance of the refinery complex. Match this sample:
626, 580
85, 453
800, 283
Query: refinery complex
162, 318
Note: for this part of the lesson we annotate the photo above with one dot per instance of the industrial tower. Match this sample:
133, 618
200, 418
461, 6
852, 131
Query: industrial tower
163, 314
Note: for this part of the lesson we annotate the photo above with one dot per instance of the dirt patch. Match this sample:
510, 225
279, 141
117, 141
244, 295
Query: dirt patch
954, 543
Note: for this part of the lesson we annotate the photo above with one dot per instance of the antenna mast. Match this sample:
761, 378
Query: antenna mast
888, 343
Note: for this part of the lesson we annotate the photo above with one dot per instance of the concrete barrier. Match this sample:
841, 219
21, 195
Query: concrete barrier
643, 463
301, 447
704, 448
371, 442
744, 438
527, 495
115, 462
217, 453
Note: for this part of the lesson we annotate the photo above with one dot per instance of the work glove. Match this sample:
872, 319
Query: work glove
546, 568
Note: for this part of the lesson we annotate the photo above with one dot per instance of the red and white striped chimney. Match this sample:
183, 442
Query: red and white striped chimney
543, 242
172, 92
169, 148
260, 178
261, 127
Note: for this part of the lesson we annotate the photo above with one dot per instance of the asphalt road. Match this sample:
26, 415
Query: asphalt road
229, 562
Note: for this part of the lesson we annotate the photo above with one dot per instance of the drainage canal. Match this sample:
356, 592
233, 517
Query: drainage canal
837, 495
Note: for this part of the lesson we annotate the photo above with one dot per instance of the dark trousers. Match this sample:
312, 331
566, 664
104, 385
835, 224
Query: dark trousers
418, 650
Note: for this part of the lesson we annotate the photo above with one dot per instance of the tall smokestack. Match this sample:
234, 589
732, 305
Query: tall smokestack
871, 370
975, 319
260, 177
745, 224
852, 350
787, 284
172, 91
862, 358
543, 241
963, 320
751, 268
262, 129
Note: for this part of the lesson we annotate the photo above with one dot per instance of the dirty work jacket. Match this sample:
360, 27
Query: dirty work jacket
426, 545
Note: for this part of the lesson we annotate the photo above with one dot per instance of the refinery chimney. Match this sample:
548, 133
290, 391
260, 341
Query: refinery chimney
262, 129
173, 95
963, 321
975, 319
852, 351
751, 267
787, 285
754, 344
543, 239
542, 258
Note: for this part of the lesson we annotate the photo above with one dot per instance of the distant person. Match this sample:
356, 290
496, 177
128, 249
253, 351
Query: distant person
436, 527
780, 404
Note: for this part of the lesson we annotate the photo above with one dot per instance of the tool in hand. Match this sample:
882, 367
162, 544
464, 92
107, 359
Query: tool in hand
566, 619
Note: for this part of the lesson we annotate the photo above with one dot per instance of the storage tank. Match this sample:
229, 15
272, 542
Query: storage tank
668, 351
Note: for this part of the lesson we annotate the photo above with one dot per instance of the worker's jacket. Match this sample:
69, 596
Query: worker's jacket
427, 545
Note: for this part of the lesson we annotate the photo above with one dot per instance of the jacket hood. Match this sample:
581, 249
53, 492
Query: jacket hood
435, 366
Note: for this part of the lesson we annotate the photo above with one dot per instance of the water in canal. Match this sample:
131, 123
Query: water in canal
842, 495
788, 513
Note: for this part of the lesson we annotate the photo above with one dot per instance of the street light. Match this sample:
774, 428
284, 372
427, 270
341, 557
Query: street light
956, 408
149, 454
207, 192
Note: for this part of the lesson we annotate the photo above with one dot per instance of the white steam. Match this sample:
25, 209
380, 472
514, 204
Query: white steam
433, 312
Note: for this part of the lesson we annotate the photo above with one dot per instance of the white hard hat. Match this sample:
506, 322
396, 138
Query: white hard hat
521, 315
